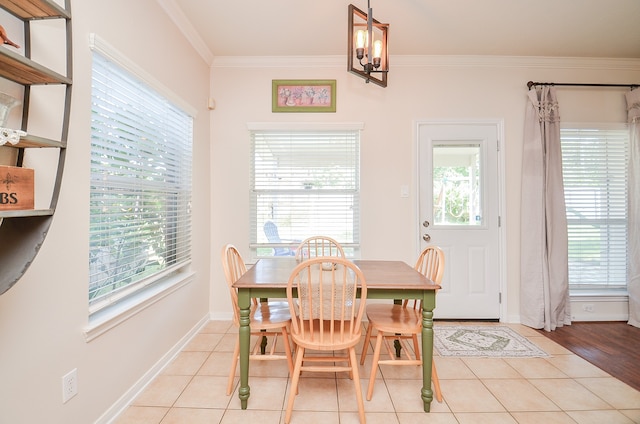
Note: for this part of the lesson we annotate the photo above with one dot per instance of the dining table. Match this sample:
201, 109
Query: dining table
268, 279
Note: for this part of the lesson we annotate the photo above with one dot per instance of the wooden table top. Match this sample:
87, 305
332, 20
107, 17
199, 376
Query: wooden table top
275, 272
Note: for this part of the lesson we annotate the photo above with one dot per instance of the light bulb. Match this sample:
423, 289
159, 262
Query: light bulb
360, 39
377, 48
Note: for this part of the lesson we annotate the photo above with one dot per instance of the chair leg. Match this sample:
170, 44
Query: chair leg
365, 347
374, 365
287, 349
356, 382
416, 346
436, 382
350, 365
234, 364
295, 378
263, 345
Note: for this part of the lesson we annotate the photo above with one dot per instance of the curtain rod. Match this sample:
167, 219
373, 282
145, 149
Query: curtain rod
531, 84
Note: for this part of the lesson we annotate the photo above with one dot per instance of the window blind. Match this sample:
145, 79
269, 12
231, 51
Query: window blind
305, 183
595, 184
140, 192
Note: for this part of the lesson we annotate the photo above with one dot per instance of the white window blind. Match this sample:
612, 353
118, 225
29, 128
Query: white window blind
595, 184
140, 195
304, 183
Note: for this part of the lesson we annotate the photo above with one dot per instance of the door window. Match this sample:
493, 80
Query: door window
457, 193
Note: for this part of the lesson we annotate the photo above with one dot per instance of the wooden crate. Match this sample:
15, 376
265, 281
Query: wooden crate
16, 188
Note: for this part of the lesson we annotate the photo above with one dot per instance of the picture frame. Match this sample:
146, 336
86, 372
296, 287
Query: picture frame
306, 96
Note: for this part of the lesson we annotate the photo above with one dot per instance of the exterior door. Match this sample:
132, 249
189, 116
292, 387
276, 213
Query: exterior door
459, 212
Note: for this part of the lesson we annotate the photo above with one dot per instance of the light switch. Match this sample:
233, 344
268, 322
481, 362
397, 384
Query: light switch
404, 191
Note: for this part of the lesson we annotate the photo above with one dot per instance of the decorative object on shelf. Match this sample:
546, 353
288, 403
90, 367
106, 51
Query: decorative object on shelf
303, 96
5, 39
367, 41
16, 188
11, 136
6, 104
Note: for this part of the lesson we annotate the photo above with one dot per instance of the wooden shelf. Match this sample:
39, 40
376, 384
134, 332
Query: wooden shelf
34, 9
25, 71
30, 141
26, 213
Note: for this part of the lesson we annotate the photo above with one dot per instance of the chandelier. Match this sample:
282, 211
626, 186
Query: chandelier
368, 55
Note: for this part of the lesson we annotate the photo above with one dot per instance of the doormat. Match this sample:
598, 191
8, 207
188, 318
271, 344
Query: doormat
483, 341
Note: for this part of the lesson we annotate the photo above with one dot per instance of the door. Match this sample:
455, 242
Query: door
459, 212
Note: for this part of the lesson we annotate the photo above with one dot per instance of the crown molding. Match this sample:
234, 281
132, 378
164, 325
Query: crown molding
518, 62
429, 61
184, 25
175, 13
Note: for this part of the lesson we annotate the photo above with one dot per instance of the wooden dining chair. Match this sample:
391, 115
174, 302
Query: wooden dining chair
326, 317
268, 319
318, 246
399, 323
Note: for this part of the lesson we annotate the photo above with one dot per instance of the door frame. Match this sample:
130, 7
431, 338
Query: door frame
502, 260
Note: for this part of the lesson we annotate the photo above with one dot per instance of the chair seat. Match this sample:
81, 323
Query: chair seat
269, 315
394, 318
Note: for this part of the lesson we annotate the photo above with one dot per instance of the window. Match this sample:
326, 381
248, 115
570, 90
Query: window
304, 183
456, 184
140, 195
595, 184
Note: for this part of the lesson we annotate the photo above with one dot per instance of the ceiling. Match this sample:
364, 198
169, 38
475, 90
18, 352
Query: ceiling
553, 28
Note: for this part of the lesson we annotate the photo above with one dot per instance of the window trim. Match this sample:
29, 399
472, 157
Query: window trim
156, 287
580, 290
305, 126
97, 44
115, 314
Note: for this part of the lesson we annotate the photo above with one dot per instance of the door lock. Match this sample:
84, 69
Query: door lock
425, 224
426, 237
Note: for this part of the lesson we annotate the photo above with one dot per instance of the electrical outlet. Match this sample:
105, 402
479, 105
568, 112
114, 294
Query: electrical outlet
588, 307
69, 385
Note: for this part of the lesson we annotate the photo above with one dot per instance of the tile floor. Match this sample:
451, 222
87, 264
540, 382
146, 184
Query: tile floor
560, 389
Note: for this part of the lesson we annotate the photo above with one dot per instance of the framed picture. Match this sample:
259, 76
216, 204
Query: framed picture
303, 96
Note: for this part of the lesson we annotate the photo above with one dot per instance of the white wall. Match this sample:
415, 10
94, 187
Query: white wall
419, 89
43, 316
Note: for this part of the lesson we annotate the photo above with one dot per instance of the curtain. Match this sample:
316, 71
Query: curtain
633, 273
544, 273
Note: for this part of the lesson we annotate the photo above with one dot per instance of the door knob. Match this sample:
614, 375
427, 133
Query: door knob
426, 237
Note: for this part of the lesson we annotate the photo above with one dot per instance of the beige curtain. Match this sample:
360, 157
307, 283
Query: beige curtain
633, 238
544, 274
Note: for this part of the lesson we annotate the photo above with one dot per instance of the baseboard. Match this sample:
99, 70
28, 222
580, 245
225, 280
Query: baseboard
599, 308
592, 307
125, 400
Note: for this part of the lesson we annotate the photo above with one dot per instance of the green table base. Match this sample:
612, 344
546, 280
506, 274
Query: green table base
428, 304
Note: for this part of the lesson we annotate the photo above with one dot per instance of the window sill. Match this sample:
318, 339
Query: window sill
599, 295
116, 314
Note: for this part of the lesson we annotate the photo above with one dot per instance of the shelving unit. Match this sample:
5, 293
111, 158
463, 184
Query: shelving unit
22, 232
